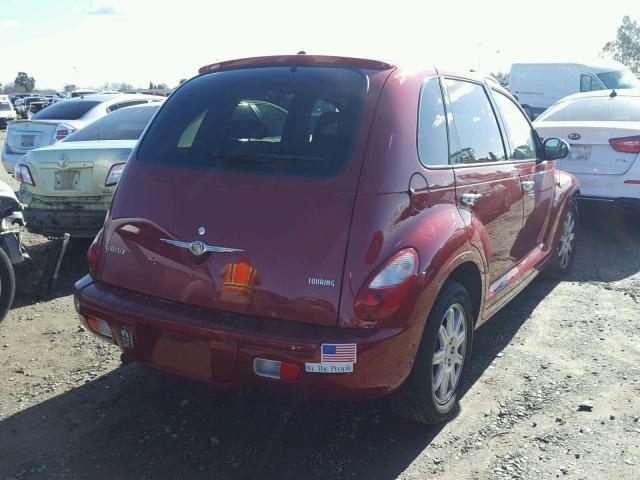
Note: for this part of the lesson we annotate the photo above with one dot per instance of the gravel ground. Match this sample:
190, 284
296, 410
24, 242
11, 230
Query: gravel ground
68, 409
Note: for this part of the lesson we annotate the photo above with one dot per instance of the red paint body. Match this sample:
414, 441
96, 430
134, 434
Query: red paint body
185, 320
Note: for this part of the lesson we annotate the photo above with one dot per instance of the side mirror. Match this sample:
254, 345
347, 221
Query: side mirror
555, 148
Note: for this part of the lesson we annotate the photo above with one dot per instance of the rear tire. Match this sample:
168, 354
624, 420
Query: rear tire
443, 356
7, 285
562, 257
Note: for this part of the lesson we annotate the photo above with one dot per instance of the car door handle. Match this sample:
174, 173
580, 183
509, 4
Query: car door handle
528, 185
470, 199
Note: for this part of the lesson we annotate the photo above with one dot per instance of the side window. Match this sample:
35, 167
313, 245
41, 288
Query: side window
433, 148
595, 85
585, 83
320, 107
588, 83
273, 117
521, 136
478, 132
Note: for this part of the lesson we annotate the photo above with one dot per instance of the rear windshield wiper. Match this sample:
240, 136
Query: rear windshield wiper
268, 158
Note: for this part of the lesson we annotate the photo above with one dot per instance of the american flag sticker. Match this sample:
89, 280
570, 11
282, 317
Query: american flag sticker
338, 353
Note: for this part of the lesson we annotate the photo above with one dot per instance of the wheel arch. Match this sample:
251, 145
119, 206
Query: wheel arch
469, 275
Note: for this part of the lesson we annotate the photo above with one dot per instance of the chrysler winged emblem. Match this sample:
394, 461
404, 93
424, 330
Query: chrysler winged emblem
199, 248
63, 161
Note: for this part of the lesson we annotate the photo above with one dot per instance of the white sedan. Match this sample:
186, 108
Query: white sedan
603, 129
61, 119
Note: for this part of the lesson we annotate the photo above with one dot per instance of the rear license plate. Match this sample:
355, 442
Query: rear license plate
67, 180
126, 337
27, 140
580, 152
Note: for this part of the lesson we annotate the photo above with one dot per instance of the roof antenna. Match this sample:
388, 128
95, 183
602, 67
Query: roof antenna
301, 52
613, 93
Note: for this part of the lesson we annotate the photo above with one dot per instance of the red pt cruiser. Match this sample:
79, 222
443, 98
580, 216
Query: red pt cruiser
338, 225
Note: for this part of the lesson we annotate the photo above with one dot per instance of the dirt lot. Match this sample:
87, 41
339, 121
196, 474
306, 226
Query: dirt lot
68, 409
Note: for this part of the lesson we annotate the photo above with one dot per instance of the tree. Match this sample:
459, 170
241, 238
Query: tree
69, 87
182, 80
25, 81
626, 47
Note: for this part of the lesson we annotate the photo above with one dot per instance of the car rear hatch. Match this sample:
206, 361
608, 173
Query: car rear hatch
77, 169
591, 147
259, 168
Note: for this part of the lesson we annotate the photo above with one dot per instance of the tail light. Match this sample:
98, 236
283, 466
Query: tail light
383, 295
23, 174
626, 144
63, 131
92, 253
115, 172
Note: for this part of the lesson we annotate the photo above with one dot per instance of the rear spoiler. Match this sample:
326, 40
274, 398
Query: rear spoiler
43, 122
325, 60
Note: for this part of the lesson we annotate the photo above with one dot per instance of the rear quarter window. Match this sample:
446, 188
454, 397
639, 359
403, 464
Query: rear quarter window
271, 120
66, 110
433, 147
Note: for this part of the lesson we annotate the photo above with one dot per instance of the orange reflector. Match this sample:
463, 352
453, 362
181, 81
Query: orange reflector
633, 182
99, 326
275, 369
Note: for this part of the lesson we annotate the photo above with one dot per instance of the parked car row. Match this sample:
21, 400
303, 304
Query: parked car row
67, 187
59, 120
337, 226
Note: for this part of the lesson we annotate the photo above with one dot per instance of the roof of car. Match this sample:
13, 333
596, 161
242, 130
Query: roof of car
622, 92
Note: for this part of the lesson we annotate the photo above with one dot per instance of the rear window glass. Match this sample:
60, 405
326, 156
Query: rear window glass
616, 109
66, 110
125, 124
274, 120
5, 106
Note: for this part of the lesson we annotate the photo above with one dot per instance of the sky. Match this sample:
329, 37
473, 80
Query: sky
88, 42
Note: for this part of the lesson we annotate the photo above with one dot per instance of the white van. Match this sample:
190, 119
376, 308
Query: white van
538, 85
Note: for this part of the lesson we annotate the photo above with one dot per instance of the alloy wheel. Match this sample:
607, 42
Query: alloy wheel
449, 354
566, 240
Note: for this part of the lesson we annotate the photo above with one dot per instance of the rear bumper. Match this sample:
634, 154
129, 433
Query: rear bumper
57, 222
219, 347
611, 187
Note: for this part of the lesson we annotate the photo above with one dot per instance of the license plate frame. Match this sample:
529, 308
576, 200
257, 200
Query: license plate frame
125, 335
579, 153
27, 141
67, 180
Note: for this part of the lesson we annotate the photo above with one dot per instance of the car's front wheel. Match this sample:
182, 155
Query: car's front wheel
430, 393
